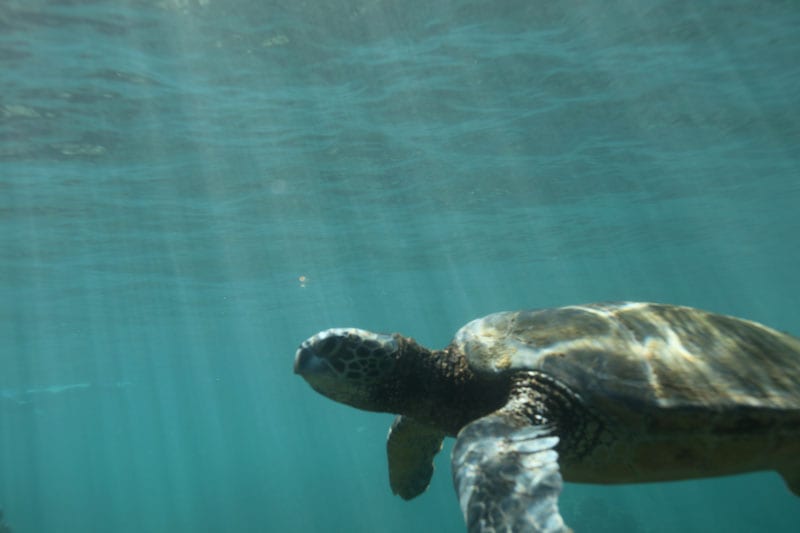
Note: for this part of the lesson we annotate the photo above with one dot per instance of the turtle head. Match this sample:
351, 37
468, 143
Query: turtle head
349, 365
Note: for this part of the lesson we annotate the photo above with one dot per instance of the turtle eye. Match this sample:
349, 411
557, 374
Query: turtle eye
328, 346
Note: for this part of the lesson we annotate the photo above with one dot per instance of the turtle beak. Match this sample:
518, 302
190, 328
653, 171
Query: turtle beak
301, 359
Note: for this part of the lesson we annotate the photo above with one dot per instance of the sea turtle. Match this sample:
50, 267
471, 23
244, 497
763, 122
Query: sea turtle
599, 393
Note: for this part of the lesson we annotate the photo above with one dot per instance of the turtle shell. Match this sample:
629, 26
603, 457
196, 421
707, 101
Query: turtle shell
641, 353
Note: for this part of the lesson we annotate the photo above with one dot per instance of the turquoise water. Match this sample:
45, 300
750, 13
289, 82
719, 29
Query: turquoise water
189, 188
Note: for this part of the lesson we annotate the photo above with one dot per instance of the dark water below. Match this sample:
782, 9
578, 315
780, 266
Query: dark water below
170, 169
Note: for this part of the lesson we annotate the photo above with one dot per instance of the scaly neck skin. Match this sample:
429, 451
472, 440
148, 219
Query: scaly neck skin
439, 389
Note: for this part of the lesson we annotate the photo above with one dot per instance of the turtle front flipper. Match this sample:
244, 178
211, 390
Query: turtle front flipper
506, 474
411, 447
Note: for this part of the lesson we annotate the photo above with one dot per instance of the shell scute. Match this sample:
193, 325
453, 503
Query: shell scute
642, 353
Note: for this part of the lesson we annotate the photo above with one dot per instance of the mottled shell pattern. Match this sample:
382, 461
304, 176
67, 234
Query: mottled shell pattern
666, 355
